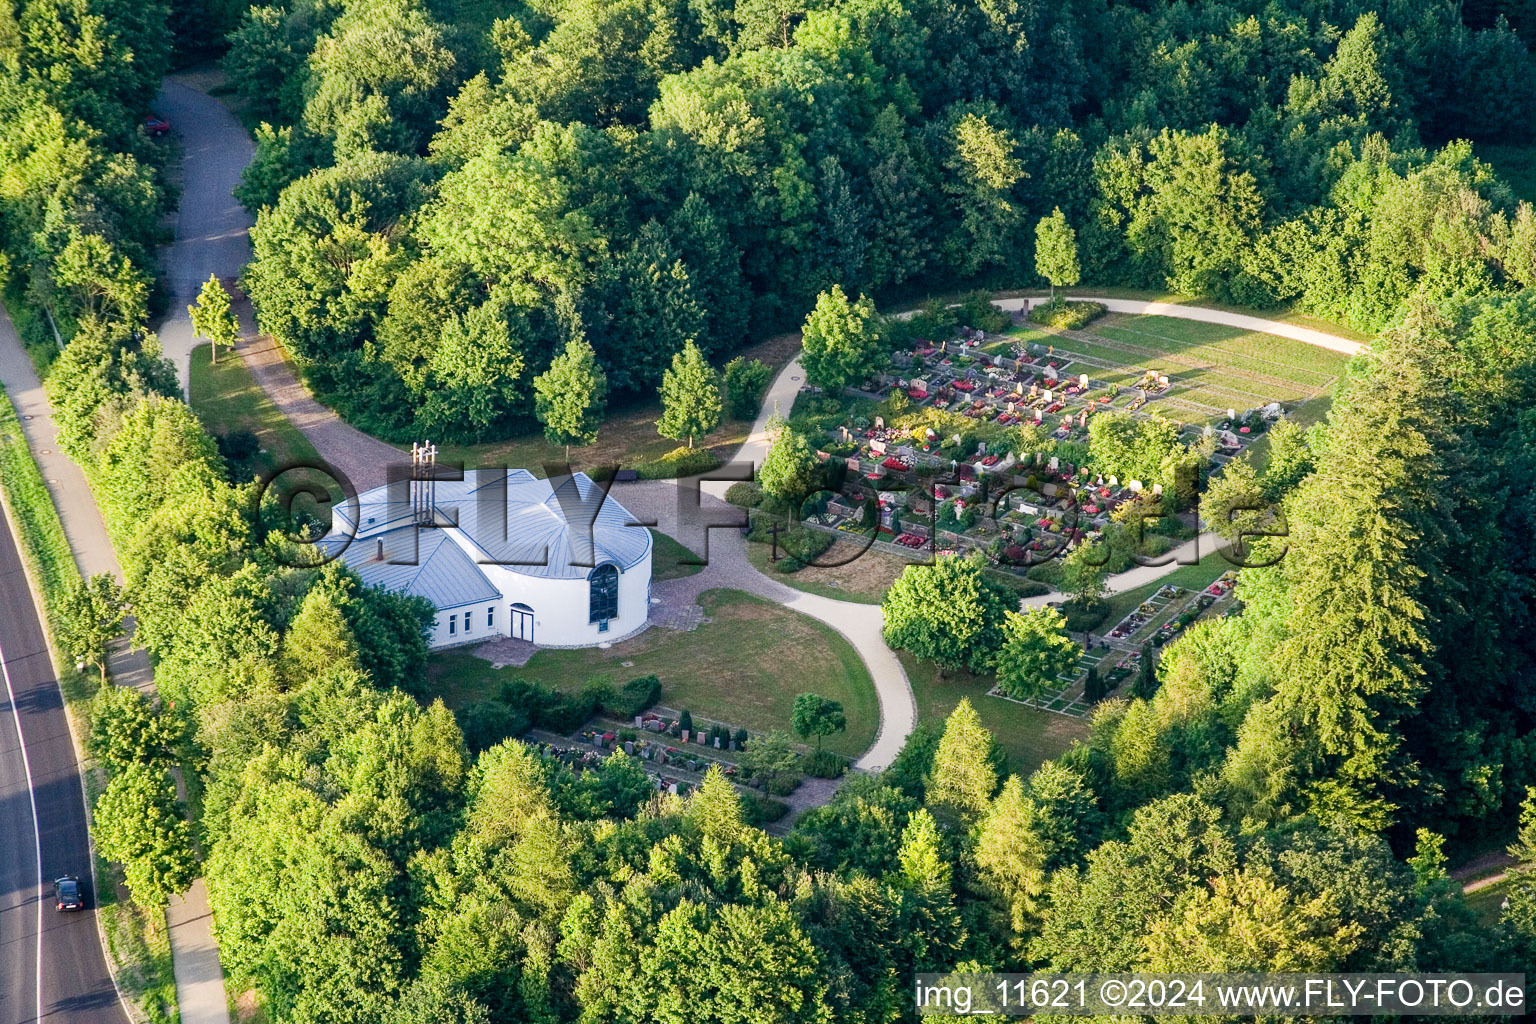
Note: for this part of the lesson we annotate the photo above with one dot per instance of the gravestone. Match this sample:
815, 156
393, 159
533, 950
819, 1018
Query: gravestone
878, 447
684, 735
1135, 486
845, 436
717, 742
981, 448
1082, 418
1039, 415
919, 385
1048, 394
1113, 482
1034, 390
879, 422
1157, 489
1055, 462
629, 747
955, 440
639, 721
1083, 379
1162, 380
1231, 414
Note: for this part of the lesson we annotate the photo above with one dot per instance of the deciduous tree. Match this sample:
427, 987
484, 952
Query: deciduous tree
212, 317
690, 396
569, 397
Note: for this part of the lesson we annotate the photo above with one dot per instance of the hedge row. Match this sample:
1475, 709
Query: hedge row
42, 539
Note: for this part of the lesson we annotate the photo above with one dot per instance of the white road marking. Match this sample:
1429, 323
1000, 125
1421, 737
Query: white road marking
37, 834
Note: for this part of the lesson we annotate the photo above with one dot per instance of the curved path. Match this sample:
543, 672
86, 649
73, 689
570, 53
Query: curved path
212, 236
1204, 314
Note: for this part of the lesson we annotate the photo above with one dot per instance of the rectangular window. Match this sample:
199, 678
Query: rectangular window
453, 625
467, 621
490, 616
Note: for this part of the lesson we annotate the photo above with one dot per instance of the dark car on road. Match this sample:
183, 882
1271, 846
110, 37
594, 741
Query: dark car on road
66, 893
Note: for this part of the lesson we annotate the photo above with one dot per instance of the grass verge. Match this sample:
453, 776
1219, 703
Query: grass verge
743, 667
227, 399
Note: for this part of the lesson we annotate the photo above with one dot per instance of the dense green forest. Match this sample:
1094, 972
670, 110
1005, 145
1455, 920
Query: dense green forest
1285, 799
444, 203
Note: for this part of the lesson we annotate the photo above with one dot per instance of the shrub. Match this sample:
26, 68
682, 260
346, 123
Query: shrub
635, 696
760, 811
679, 462
745, 381
1067, 316
1083, 618
740, 738
1021, 586
976, 310
685, 720
745, 494
824, 764
1047, 572
804, 545
488, 722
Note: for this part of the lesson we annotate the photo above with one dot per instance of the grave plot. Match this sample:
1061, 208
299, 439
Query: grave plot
1212, 367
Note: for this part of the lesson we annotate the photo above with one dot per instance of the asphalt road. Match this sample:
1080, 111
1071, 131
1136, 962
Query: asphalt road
75, 985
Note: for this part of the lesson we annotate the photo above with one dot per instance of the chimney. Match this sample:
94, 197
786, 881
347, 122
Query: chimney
379, 551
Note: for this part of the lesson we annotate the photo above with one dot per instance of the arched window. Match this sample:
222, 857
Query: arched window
604, 581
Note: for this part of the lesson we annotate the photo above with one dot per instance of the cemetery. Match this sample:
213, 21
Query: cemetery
985, 440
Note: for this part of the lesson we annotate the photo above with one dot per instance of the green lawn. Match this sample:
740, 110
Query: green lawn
743, 668
1212, 367
227, 398
1028, 736
864, 580
1286, 315
671, 560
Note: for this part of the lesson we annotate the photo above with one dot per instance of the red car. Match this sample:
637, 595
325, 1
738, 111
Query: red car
156, 126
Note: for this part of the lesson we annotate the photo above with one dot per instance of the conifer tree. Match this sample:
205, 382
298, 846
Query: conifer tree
964, 772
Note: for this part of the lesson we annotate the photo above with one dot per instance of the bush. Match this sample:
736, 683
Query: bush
745, 381
744, 494
824, 764
805, 545
976, 310
635, 696
488, 722
1067, 316
679, 462
1083, 618
1047, 572
551, 709
760, 811
1021, 586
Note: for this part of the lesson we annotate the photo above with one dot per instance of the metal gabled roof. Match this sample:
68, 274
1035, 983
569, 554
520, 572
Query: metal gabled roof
553, 530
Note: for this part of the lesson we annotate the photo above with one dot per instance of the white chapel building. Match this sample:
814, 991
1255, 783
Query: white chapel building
504, 553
